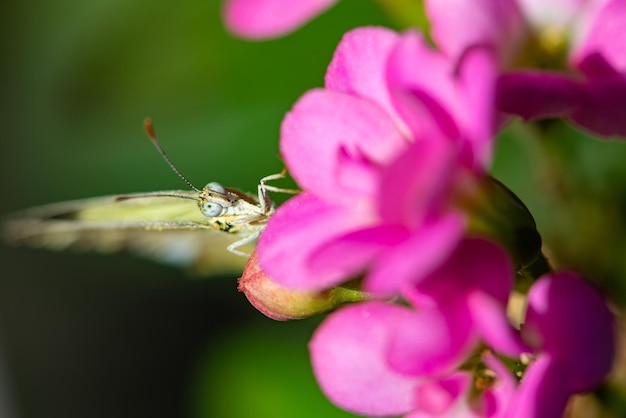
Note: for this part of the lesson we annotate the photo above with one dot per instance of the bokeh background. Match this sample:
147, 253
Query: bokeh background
84, 335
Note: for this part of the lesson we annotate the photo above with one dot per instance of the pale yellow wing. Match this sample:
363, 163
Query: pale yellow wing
164, 229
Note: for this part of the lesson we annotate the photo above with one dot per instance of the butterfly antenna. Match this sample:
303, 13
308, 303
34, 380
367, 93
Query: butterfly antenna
149, 127
156, 194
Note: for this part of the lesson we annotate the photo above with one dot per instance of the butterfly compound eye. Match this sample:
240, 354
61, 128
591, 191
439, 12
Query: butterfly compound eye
216, 187
211, 209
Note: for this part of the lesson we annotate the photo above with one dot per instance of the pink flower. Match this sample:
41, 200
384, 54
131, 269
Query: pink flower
461, 395
378, 359
561, 58
572, 330
379, 153
262, 19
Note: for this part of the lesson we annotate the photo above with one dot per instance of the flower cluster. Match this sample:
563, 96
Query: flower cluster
380, 359
378, 183
559, 58
392, 157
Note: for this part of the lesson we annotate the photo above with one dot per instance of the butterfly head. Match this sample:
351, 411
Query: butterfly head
214, 200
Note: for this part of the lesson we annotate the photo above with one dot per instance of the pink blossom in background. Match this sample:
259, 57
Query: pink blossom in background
262, 19
381, 359
586, 84
571, 329
378, 153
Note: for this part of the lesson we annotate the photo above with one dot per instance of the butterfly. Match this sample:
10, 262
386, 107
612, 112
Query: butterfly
206, 230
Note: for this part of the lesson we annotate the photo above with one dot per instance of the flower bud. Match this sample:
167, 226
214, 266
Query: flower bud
495, 211
282, 304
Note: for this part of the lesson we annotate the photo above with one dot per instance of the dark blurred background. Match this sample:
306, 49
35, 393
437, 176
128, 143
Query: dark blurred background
115, 336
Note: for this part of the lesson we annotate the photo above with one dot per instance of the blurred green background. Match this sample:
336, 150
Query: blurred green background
94, 336
115, 336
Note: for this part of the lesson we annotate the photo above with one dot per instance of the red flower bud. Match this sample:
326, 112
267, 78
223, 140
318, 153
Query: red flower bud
282, 304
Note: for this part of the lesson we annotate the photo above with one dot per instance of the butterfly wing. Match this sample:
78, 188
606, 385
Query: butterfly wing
164, 229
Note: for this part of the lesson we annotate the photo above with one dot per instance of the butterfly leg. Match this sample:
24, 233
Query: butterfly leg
263, 188
245, 240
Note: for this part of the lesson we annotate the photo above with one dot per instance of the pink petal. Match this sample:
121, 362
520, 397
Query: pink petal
451, 397
356, 250
477, 265
359, 64
260, 19
477, 75
490, 320
459, 24
436, 397
605, 37
538, 94
498, 397
437, 95
603, 110
542, 392
327, 135
431, 342
296, 231
568, 319
487, 268
413, 72
349, 357
596, 67
412, 260
480, 276
417, 184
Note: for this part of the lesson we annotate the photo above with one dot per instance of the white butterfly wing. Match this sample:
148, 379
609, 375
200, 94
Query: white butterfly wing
164, 229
